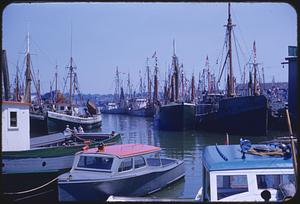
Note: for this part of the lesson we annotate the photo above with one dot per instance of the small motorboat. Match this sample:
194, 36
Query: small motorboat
247, 173
119, 170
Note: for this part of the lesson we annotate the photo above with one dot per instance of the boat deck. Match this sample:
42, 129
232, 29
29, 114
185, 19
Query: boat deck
47, 140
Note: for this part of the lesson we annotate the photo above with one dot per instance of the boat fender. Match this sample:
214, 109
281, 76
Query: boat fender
100, 147
85, 148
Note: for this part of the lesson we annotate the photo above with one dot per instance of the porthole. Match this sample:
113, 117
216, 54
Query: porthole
44, 163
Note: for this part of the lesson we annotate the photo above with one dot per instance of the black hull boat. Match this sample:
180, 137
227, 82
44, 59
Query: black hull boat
38, 124
121, 170
176, 116
143, 112
236, 115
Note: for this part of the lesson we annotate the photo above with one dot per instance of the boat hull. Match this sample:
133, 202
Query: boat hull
240, 115
23, 170
57, 122
177, 117
114, 111
143, 112
38, 124
140, 185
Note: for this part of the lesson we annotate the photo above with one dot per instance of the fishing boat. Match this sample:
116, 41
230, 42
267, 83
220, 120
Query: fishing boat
140, 107
121, 170
58, 118
28, 163
119, 104
247, 172
176, 114
232, 113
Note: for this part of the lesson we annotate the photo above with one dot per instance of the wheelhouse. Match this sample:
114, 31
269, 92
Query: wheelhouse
119, 159
229, 175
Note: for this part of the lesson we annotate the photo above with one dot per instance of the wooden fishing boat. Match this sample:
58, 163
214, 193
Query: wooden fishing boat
235, 114
100, 172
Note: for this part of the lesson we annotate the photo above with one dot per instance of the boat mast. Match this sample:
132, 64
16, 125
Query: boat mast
55, 84
71, 71
148, 80
176, 71
39, 88
17, 91
193, 88
255, 70
129, 88
230, 77
27, 95
182, 83
155, 95
117, 89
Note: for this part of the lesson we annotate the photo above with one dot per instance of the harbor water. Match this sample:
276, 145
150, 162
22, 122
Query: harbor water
186, 145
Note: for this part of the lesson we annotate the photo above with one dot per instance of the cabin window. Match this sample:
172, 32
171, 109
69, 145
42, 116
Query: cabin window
273, 181
153, 159
126, 165
231, 185
139, 162
13, 119
102, 163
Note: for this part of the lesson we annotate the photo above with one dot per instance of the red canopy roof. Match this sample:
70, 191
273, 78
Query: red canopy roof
125, 150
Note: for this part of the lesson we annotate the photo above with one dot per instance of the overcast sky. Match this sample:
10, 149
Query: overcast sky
106, 35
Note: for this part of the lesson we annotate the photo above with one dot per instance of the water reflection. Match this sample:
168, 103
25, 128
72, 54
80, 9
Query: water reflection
187, 146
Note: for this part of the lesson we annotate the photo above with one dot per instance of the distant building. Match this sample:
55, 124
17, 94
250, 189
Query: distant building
15, 126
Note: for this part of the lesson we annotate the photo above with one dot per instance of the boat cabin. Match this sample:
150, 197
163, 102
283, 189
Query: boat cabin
117, 159
15, 126
230, 174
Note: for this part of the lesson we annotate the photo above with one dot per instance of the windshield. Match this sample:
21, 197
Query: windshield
92, 162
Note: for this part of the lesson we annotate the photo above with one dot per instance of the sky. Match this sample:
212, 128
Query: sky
107, 35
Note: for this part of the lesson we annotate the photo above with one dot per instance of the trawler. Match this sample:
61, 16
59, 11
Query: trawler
231, 113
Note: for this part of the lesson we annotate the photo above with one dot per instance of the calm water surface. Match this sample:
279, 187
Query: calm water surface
187, 146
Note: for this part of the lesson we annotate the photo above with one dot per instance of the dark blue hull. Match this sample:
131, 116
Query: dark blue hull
239, 115
177, 117
38, 124
143, 112
140, 185
114, 111
55, 125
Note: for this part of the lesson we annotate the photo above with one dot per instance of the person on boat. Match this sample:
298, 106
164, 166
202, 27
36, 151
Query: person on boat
112, 133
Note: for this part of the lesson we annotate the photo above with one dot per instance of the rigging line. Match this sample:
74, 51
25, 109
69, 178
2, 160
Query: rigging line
238, 59
222, 53
47, 56
238, 43
223, 67
240, 31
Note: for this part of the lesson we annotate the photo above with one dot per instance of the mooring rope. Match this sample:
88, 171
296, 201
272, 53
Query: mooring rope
31, 190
